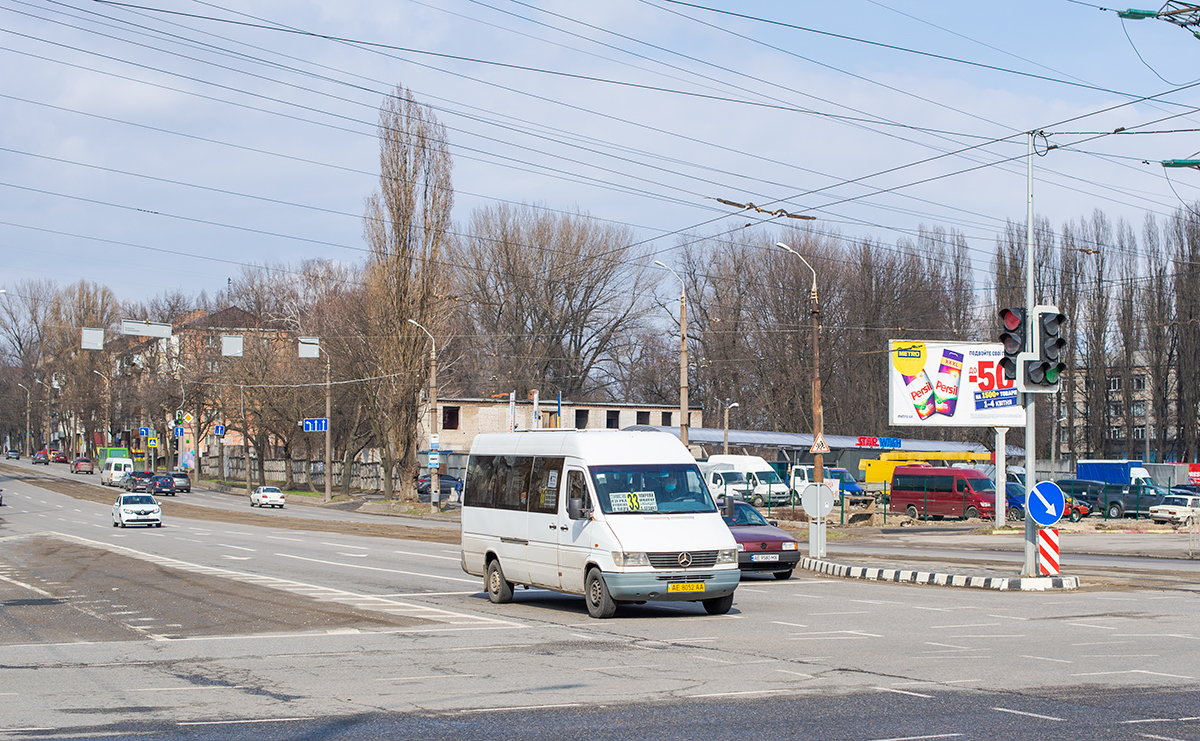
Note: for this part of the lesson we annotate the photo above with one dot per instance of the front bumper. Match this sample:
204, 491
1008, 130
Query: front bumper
652, 586
787, 560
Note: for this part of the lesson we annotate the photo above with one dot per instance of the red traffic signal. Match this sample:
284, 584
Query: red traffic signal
1012, 336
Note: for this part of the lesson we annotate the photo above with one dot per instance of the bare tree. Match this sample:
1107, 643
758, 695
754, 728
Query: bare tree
406, 226
1158, 308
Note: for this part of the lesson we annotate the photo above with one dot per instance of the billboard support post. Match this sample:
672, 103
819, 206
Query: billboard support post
1001, 477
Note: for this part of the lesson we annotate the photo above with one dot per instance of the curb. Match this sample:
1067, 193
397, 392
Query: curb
911, 576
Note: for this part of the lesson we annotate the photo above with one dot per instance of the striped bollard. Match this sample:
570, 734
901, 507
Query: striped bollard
1048, 548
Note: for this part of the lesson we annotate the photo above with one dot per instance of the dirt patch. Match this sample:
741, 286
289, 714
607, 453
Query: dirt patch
172, 507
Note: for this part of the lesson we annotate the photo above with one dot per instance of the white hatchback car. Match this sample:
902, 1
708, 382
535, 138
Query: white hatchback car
136, 509
268, 496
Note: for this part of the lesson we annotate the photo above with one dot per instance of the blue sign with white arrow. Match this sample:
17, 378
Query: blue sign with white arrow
1045, 503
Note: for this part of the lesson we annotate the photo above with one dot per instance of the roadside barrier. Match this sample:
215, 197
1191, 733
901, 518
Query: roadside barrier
1048, 548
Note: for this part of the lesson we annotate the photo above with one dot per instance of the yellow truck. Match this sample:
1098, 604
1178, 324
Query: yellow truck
878, 473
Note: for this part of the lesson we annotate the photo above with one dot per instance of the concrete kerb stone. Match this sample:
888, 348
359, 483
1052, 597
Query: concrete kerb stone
906, 576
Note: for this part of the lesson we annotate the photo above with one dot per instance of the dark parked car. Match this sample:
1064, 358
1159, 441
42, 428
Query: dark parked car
761, 546
41, 457
1091, 493
183, 482
1114, 501
162, 484
137, 481
12, 455
447, 485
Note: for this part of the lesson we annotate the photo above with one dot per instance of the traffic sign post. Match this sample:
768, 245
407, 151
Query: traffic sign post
817, 501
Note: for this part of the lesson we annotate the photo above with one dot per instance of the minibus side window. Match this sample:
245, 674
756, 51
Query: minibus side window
481, 482
513, 477
544, 480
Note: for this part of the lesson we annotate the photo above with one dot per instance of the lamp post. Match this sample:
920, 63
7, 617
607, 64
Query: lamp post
435, 480
728, 406
108, 406
683, 378
46, 419
818, 412
28, 442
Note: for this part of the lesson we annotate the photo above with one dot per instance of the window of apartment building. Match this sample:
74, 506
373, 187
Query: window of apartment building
581, 419
1139, 383
1139, 408
1114, 383
643, 418
1115, 433
666, 419
613, 420
1139, 432
1114, 409
450, 418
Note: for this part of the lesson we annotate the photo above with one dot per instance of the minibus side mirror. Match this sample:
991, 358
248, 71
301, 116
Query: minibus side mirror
575, 509
730, 502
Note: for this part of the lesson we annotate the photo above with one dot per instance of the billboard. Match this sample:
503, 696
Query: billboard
950, 384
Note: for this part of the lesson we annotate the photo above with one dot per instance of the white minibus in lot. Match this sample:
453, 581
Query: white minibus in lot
614, 516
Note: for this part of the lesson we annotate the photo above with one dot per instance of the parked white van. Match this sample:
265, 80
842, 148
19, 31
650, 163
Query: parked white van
114, 469
725, 482
614, 516
768, 488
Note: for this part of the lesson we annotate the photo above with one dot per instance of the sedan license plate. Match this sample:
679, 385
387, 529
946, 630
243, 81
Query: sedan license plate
765, 557
691, 586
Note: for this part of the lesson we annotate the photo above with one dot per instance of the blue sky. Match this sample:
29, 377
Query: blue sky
152, 151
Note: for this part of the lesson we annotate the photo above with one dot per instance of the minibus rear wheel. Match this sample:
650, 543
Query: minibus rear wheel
499, 589
600, 603
718, 605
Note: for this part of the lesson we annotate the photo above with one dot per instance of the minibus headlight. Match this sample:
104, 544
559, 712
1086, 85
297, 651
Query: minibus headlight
789, 545
727, 555
630, 558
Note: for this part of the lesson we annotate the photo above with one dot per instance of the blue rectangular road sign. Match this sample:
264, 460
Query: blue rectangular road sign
219, 430
178, 432
316, 424
143, 432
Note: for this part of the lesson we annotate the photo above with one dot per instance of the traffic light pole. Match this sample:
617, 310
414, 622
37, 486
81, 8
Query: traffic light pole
1029, 568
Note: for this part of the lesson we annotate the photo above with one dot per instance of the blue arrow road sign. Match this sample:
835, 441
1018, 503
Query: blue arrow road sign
143, 432
316, 424
219, 430
1045, 503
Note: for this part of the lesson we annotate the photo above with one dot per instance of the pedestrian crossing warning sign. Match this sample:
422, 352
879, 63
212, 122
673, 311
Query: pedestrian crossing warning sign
819, 445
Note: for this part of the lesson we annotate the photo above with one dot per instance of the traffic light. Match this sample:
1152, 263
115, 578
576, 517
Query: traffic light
1046, 371
1012, 336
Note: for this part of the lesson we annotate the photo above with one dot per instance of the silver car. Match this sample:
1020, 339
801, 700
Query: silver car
268, 496
136, 509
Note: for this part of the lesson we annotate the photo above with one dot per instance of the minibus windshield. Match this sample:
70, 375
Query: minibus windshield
668, 488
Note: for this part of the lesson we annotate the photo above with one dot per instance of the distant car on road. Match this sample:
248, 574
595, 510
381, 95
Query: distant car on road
137, 481
183, 482
60, 457
162, 484
82, 465
761, 546
268, 496
136, 509
12, 455
41, 457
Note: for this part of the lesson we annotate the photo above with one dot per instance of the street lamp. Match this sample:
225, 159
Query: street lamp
328, 411
818, 412
46, 419
728, 406
683, 378
435, 480
108, 407
28, 446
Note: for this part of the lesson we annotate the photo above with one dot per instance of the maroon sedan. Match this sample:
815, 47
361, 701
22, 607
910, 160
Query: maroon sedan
761, 546
59, 456
82, 465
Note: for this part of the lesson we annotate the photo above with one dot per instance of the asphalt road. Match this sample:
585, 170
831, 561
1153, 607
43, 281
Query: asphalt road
231, 629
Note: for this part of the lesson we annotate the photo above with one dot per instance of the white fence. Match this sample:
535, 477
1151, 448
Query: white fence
363, 476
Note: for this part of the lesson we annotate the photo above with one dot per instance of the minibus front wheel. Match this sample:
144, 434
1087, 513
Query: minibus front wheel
600, 603
499, 589
719, 605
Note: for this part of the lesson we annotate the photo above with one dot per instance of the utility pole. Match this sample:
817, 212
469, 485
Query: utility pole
435, 479
728, 406
245, 440
28, 446
818, 410
1030, 566
684, 420
328, 424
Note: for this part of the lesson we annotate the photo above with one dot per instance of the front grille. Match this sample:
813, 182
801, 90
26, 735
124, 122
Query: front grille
670, 559
686, 578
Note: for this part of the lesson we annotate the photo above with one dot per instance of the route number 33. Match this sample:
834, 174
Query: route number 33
990, 376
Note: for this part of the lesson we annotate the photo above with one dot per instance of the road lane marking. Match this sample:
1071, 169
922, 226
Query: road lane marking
618, 668
1047, 658
795, 674
354, 555
742, 692
1008, 617
852, 612
987, 635
903, 692
947, 645
833, 635
340, 545
1089, 625
919, 738
790, 625
1161, 738
523, 707
376, 568
427, 676
1133, 671
236, 558
197, 687
1030, 715
280, 537
247, 720
444, 558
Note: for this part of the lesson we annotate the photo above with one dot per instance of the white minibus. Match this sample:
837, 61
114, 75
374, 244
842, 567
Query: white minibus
114, 469
614, 516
